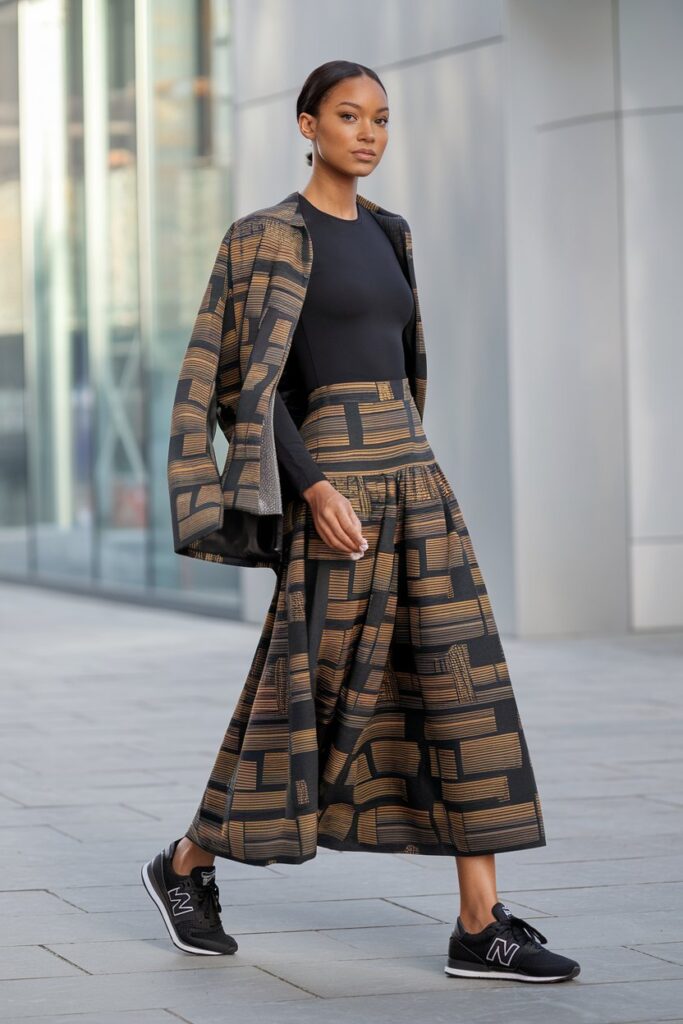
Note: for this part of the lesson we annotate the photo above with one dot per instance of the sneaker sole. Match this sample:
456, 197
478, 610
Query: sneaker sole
148, 883
463, 971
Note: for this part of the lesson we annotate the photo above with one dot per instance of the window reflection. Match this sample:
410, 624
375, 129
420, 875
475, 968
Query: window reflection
114, 194
14, 496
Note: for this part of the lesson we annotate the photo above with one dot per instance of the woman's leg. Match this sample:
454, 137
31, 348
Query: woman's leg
188, 855
477, 881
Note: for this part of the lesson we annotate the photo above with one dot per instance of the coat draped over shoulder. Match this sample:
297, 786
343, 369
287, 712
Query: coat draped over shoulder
231, 368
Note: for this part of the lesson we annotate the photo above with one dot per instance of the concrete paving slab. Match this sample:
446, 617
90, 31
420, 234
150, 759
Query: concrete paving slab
33, 962
34, 903
160, 955
160, 989
132, 1017
609, 964
368, 976
52, 928
446, 911
319, 914
485, 1002
641, 896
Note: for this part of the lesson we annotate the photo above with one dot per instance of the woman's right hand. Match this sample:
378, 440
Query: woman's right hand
334, 519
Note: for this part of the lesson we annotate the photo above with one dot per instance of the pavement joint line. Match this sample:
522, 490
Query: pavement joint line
601, 860
602, 799
421, 913
606, 885
298, 931
597, 885
67, 835
273, 974
65, 959
63, 899
25, 767
12, 800
147, 784
654, 956
136, 810
175, 1014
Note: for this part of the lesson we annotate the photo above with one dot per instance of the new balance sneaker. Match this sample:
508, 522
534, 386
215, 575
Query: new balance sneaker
188, 905
508, 947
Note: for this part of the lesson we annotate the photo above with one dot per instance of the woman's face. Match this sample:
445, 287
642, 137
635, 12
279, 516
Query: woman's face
353, 118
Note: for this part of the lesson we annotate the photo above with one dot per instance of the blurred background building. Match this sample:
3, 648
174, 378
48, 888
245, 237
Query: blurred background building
536, 150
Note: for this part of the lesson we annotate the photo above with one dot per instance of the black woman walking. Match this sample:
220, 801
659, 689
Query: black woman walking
378, 713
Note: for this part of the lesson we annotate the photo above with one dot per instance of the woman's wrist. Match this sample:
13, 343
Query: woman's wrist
309, 493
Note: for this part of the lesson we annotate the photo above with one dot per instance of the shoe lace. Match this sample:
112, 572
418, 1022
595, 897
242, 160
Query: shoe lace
207, 898
522, 930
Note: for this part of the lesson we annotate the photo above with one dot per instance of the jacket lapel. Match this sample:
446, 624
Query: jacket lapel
251, 479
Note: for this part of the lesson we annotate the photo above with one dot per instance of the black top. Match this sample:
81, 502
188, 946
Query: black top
357, 304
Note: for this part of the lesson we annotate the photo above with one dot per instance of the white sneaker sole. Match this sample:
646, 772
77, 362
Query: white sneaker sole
147, 882
466, 973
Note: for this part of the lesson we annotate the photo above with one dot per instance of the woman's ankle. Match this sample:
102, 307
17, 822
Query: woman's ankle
188, 855
475, 919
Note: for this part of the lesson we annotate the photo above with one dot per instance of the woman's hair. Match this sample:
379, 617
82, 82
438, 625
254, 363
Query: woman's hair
321, 80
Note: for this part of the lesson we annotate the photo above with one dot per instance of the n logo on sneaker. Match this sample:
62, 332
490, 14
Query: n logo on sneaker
181, 902
502, 951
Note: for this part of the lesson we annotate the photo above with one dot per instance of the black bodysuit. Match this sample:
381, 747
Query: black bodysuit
357, 305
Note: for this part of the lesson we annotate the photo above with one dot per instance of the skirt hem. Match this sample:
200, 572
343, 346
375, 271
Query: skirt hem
341, 846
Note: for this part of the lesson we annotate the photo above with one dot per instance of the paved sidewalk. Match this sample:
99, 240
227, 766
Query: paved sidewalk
109, 728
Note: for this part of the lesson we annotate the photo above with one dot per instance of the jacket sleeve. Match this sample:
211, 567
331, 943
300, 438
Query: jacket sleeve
194, 480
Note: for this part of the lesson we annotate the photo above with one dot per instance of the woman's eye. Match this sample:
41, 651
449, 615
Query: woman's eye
384, 120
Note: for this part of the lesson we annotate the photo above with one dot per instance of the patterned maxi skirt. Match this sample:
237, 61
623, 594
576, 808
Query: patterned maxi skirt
378, 713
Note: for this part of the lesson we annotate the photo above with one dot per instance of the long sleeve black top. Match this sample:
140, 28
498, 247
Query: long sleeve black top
357, 305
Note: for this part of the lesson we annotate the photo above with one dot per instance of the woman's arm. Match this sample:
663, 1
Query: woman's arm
333, 515
293, 455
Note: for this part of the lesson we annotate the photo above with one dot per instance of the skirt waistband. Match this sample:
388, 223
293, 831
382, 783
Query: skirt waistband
365, 427
360, 391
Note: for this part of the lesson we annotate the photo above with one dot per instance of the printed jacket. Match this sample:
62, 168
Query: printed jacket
234, 362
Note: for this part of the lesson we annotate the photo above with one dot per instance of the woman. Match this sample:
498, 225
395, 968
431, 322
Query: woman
378, 713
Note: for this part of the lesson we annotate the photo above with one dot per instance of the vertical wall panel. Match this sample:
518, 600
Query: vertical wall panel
651, 80
565, 318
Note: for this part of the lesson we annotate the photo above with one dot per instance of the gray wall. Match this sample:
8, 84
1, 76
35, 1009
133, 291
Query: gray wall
651, 78
567, 383
545, 231
595, 159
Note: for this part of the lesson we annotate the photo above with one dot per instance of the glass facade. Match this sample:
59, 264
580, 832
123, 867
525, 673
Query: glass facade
115, 186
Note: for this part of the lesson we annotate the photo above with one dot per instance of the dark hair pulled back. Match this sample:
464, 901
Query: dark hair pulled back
321, 80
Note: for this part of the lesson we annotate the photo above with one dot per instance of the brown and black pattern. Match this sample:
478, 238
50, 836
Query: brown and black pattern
378, 713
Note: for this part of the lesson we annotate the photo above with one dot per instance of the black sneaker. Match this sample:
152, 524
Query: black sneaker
506, 948
188, 904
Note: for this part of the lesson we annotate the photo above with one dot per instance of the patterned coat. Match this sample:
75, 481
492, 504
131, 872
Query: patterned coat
232, 366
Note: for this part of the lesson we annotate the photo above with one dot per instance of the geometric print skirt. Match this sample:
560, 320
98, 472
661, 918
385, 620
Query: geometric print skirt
378, 712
